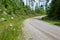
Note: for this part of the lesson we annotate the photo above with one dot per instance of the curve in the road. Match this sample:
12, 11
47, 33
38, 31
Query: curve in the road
35, 29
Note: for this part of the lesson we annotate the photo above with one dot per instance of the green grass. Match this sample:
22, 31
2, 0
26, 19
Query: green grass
14, 32
55, 22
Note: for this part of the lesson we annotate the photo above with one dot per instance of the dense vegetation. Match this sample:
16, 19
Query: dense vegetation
53, 12
12, 14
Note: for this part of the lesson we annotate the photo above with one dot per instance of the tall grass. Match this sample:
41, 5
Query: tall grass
14, 32
11, 29
55, 22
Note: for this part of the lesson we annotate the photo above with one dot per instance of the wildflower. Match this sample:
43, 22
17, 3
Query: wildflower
4, 12
3, 19
11, 24
12, 17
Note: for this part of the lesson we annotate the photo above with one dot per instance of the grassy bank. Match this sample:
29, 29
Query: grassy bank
55, 22
11, 29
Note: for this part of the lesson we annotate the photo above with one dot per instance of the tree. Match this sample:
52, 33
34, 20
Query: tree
26, 2
36, 6
39, 2
46, 5
32, 3
54, 12
11, 5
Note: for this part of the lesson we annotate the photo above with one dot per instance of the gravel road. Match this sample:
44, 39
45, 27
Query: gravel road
36, 29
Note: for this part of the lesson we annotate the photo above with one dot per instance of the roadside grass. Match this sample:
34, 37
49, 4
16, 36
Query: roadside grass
55, 22
11, 29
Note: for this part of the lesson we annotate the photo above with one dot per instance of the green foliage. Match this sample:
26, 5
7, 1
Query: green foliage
47, 5
55, 22
8, 32
39, 11
53, 11
17, 10
12, 8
